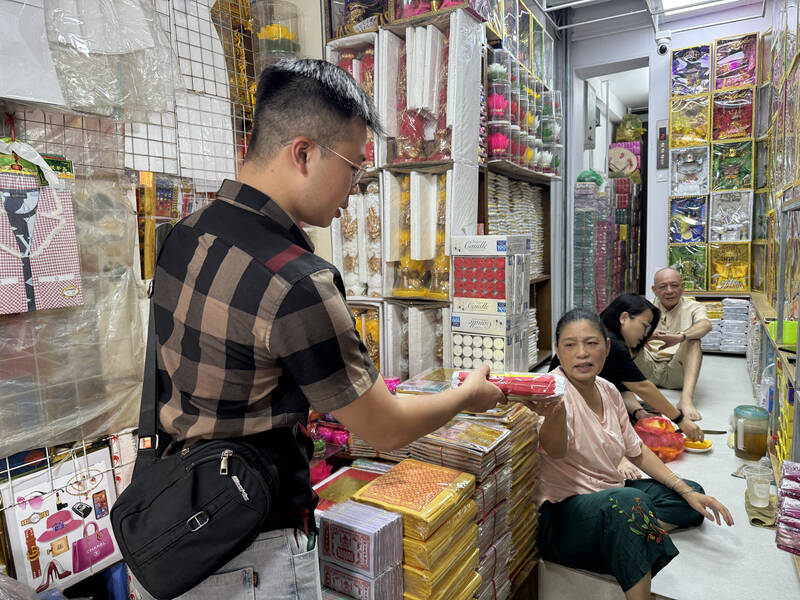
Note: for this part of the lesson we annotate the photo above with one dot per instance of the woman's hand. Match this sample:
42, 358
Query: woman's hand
628, 470
691, 430
706, 505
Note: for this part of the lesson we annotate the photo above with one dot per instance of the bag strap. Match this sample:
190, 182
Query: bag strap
152, 441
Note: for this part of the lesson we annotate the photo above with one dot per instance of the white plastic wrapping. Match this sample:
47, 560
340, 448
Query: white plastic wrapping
111, 56
76, 373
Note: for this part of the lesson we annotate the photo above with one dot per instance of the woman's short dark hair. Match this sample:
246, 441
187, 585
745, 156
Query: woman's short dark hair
633, 304
580, 314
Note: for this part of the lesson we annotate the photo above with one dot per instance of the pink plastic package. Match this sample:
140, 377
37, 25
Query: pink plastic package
787, 538
790, 470
789, 507
790, 489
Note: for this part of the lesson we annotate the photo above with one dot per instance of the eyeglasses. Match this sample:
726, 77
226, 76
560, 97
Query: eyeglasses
358, 170
35, 501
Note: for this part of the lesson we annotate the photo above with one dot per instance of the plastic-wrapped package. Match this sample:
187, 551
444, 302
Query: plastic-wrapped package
344, 528
349, 228
789, 507
688, 122
348, 18
449, 577
510, 26
494, 489
762, 164
732, 166
761, 205
440, 270
762, 110
790, 489
374, 240
426, 495
492, 526
735, 61
759, 267
542, 386
691, 70
11, 589
387, 585
733, 114
112, 60
687, 220
689, 170
659, 435
426, 555
524, 35
471, 447
730, 267
76, 374
790, 471
495, 18
730, 218
787, 538
690, 261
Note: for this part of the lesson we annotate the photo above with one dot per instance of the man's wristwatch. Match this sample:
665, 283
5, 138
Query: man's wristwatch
683, 333
677, 420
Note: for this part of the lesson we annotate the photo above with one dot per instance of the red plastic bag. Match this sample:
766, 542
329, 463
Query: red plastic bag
659, 435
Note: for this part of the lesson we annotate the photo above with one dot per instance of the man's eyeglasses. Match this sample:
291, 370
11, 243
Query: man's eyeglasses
358, 170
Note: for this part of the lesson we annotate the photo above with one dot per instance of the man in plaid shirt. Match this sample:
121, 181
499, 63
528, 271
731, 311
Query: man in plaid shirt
253, 328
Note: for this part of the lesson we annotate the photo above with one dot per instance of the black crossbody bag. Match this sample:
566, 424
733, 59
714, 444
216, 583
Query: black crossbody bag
187, 514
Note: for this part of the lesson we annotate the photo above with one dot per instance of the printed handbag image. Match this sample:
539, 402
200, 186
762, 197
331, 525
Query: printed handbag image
91, 548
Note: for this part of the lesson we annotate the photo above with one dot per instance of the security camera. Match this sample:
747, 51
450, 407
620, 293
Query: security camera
663, 41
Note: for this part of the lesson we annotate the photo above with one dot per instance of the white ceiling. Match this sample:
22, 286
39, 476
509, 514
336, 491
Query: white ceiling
631, 87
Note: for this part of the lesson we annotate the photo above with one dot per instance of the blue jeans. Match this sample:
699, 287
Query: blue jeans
276, 566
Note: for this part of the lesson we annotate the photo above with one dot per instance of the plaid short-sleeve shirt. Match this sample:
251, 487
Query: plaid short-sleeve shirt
252, 327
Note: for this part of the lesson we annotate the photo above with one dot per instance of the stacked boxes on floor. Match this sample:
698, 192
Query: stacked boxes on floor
584, 242
489, 319
484, 450
712, 340
440, 538
735, 324
361, 551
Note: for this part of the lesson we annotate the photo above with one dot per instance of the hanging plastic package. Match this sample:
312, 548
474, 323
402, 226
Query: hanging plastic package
75, 373
39, 267
111, 56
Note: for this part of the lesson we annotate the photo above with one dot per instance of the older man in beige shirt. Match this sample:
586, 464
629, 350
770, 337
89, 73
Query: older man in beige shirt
673, 357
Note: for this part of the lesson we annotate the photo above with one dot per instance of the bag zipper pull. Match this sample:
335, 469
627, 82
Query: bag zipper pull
240, 487
223, 467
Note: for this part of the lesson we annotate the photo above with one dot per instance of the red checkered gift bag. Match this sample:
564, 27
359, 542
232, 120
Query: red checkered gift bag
39, 261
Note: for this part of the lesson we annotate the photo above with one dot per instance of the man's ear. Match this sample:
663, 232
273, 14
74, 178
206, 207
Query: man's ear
299, 149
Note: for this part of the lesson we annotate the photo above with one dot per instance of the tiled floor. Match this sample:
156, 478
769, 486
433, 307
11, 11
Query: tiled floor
736, 563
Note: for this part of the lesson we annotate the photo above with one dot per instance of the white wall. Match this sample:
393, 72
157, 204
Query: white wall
640, 43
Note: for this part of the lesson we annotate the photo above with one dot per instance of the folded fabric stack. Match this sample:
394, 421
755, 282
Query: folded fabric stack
483, 449
735, 325
361, 551
440, 537
787, 534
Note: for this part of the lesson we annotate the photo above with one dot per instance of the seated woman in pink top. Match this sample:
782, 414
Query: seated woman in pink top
590, 517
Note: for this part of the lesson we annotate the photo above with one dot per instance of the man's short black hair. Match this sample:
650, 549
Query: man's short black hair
306, 97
